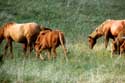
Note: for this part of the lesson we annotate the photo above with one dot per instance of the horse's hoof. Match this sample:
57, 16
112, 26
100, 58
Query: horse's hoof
42, 58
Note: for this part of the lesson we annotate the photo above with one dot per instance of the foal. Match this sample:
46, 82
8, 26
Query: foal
50, 40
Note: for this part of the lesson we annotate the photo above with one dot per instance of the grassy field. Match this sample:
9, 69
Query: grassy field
77, 19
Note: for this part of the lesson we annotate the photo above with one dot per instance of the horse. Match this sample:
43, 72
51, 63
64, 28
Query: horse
25, 33
50, 40
109, 29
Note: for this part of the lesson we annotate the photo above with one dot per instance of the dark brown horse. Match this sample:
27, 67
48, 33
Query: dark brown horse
25, 33
108, 29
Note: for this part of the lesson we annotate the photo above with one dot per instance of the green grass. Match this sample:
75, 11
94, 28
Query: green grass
77, 19
82, 67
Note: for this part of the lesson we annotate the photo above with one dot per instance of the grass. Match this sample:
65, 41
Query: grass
76, 18
83, 67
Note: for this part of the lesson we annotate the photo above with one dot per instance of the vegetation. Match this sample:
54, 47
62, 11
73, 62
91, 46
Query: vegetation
76, 18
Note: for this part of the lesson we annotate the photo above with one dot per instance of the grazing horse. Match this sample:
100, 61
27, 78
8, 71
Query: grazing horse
25, 33
108, 29
49, 40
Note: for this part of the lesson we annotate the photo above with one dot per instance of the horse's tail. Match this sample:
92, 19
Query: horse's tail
62, 41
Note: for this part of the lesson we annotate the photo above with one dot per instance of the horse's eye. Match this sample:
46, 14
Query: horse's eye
96, 30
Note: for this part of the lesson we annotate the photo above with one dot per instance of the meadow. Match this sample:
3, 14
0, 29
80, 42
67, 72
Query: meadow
77, 19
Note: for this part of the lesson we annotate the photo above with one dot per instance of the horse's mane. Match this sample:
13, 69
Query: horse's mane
8, 24
101, 26
93, 34
43, 28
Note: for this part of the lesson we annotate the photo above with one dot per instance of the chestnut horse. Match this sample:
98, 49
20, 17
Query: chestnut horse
50, 40
25, 33
108, 29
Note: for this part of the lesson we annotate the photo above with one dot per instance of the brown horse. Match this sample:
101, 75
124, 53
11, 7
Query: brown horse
50, 40
25, 33
108, 29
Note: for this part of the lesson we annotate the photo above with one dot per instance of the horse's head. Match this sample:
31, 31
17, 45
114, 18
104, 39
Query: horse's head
37, 46
92, 39
91, 42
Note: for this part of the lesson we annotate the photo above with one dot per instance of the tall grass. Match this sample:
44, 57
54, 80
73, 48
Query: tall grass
76, 18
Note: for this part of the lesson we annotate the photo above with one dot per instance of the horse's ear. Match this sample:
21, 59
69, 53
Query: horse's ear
89, 37
43, 33
96, 29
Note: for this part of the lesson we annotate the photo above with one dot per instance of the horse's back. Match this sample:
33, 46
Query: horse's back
26, 28
117, 26
31, 27
19, 32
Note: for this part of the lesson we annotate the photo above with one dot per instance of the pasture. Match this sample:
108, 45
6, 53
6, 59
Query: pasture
77, 19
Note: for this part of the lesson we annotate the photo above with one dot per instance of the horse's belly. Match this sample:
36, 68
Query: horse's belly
21, 40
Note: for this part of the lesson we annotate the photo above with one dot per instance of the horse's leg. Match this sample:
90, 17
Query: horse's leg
38, 55
106, 37
31, 47
49, 53
9, 44
5, 49
122, 47
54, 52
25, 48
118, 47
28, 46
11, 48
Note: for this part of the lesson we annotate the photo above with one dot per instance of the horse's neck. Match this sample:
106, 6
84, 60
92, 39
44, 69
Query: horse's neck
98, 36
100, 32
102, 27
95, 35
